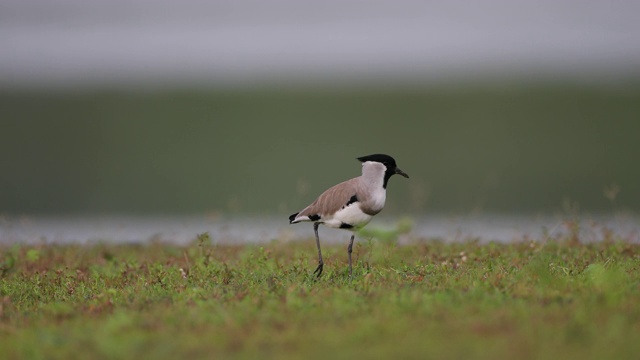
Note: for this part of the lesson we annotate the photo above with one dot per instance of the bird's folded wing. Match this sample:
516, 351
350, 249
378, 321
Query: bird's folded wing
333, 199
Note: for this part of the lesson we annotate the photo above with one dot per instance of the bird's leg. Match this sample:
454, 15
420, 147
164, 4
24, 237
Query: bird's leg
320, 262
349, 251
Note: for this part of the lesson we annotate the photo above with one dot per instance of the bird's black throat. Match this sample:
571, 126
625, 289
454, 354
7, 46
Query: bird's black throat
387, 175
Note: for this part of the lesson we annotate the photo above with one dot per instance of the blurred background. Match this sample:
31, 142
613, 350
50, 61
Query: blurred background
230, 109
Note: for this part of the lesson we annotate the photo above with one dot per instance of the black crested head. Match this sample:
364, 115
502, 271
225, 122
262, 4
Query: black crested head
388, 162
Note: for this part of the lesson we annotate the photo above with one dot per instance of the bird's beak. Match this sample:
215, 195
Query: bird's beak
400, 172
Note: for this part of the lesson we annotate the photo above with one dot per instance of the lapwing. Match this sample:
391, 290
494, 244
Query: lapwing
350, 205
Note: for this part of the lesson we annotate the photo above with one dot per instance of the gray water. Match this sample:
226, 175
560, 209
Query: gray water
256, 230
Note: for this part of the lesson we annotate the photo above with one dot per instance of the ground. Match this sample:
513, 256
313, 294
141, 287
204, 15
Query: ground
532, 299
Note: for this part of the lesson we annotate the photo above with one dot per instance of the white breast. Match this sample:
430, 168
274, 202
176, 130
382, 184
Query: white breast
377, 200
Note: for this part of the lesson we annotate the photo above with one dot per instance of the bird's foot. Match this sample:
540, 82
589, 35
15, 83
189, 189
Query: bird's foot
318, 270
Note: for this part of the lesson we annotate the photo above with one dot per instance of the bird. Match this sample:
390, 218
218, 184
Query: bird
350, 205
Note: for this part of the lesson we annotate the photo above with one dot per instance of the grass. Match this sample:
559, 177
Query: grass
527, 300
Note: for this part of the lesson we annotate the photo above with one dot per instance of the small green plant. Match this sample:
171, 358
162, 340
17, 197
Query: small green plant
33, 255
386, 235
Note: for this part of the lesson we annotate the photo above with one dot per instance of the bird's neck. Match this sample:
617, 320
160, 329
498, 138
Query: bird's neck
373, 174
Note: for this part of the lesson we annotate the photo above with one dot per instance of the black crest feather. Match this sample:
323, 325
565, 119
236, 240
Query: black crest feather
381, 158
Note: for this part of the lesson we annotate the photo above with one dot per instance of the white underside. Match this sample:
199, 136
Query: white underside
351, 215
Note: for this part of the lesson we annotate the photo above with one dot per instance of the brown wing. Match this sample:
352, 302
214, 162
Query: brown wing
332, 199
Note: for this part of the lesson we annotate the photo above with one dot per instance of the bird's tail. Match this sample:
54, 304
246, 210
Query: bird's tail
293, 217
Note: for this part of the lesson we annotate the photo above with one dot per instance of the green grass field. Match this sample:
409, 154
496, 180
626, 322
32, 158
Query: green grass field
554, 298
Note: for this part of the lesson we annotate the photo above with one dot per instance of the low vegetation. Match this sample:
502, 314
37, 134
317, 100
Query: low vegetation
527, 300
